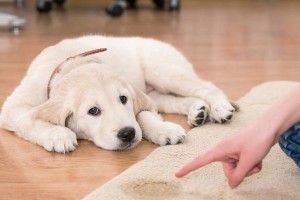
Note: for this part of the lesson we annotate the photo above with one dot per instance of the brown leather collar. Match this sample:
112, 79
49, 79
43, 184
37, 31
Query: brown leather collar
58, 68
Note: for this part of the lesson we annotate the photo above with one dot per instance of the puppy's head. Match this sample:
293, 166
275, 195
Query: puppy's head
98, 106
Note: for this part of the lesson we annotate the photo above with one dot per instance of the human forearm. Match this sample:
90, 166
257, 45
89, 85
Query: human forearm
281, 115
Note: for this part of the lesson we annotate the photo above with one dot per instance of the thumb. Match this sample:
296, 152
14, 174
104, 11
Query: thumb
235, 180
237, 176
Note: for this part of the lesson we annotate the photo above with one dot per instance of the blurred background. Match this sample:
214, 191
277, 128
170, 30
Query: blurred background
229, 41
236, 44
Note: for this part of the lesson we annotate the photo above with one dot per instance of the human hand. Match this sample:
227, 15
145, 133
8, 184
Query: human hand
241, 154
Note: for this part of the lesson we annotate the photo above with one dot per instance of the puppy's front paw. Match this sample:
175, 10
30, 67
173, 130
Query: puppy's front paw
221, 112
59, 139
197, 114
170, 133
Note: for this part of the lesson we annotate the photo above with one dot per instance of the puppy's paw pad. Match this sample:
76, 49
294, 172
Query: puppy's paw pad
221, 112
171, 133
60, 140
198, 114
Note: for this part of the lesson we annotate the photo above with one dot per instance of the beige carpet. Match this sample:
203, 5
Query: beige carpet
153, 178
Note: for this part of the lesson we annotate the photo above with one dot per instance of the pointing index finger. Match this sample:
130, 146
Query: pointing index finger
200, 161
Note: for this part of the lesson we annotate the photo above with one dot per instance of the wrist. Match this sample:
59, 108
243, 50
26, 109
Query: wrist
282, 115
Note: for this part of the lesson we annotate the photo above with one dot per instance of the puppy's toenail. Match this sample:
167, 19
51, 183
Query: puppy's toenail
229, 117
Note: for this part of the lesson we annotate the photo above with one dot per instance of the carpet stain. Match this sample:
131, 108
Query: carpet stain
152, 189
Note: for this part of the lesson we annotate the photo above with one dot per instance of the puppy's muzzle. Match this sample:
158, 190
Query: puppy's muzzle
126, 134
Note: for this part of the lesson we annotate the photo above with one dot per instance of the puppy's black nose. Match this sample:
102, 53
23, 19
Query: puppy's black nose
126, 134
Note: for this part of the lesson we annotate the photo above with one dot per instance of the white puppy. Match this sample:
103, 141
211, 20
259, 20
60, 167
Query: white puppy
101, 96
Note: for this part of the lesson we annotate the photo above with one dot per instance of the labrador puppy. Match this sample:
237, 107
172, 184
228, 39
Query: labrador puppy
109, 90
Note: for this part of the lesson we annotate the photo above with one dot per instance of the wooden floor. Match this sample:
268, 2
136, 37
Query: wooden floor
235, 44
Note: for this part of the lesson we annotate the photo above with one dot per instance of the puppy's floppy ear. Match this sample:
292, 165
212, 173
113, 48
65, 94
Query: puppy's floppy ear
142, 102
54, 111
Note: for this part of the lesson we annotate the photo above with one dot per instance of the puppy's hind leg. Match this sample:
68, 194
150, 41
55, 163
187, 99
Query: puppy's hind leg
187, 84
194, 108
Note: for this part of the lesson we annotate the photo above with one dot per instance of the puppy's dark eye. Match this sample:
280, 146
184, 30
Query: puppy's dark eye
123, 99
94, 111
